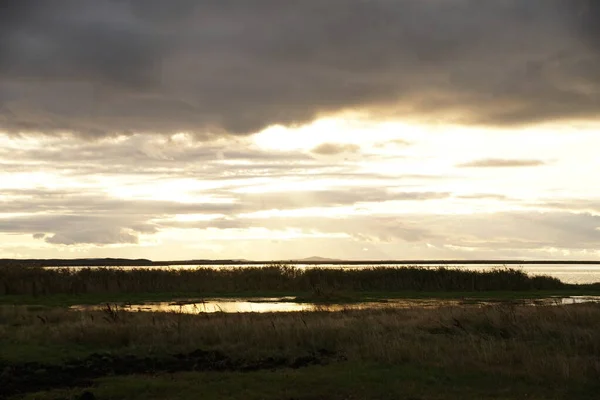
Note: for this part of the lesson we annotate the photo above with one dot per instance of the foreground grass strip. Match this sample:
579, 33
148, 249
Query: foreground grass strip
340, 381
32, 377
548, 343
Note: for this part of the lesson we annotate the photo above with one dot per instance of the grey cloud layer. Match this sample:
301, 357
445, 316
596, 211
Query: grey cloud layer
100, 67
223, 162
503, 232
69, 217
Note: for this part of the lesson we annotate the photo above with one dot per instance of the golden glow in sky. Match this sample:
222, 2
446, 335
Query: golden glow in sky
360, 188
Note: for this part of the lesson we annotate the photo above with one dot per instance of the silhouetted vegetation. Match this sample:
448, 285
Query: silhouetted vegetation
280, 278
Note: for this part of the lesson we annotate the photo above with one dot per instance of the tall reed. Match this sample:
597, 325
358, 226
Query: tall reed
276, 278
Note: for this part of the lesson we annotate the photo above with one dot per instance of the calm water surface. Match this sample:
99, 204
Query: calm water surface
286, 304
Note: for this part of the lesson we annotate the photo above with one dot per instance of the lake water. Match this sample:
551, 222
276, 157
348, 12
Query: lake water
568, 273
286, 304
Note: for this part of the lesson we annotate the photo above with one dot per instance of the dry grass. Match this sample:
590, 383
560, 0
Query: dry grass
546, 342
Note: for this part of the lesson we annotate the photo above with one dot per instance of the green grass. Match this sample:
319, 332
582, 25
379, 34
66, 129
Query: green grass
337, 382
46, 353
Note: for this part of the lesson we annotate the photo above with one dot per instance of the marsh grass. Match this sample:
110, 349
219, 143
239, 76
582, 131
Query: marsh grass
541, 343
321, 282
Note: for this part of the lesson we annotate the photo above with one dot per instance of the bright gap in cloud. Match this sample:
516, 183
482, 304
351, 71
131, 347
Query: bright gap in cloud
346, 129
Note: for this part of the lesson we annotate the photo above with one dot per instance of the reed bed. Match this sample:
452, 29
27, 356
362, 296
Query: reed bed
545, 342
36, 281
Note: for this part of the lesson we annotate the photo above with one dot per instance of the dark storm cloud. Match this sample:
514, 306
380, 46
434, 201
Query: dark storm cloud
501, 163
100, 67
585, 19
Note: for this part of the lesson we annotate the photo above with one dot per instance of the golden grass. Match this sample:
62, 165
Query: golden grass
545, 342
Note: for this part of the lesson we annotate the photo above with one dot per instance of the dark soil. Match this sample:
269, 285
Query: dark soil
33, 377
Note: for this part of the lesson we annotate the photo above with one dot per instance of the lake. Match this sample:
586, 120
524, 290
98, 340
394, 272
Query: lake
286, 304
568, 273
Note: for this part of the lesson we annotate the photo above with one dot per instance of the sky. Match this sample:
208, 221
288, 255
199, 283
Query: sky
269, 129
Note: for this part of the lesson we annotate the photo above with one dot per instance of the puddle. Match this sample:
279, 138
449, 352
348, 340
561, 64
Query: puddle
267, 305
574, 300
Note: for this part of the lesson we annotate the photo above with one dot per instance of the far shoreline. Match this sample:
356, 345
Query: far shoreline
125, 262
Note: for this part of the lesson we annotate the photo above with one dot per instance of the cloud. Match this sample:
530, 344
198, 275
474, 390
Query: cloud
152, 155
484, 196
71, 218
501, 163
70, 229
102, 236
393, 143
501, 233
585, 16
101, 68
572, 205
343, 196
328, 149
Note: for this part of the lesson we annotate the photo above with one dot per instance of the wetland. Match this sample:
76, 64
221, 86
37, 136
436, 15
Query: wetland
283, 332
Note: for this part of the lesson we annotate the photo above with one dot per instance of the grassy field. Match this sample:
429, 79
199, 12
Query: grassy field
490, 352
502, 351
336, 382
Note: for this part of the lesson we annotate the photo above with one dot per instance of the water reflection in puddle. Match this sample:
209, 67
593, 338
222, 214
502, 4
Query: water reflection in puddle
286, 304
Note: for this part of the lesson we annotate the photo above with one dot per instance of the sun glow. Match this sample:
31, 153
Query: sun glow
346, 130
393, 170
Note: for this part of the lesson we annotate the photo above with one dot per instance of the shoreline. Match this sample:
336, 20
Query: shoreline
118, 262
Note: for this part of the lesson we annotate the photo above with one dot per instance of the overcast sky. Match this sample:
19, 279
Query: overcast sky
270, 129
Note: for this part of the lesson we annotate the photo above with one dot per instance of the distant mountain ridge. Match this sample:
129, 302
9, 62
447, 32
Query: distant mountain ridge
142, 262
